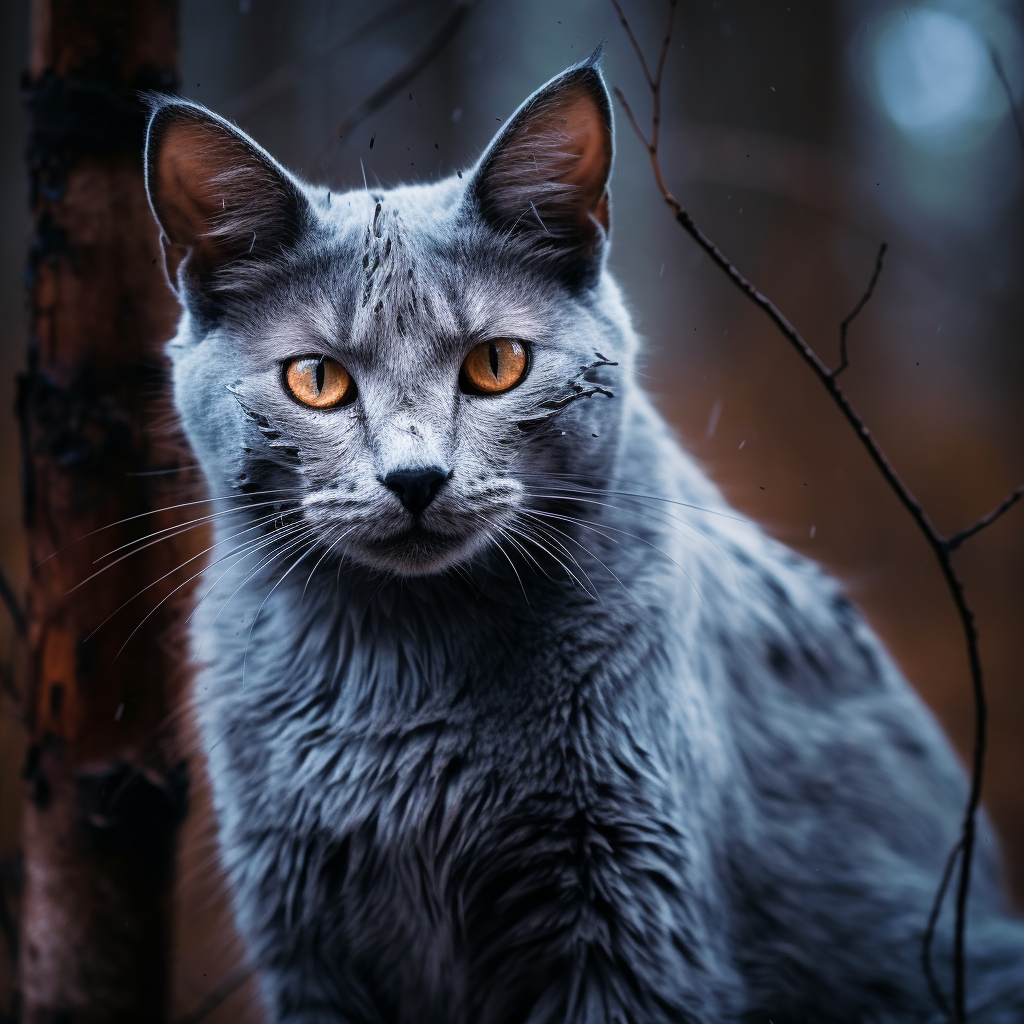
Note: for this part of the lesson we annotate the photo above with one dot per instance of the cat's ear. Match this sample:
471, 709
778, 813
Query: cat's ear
544, 178
222, 202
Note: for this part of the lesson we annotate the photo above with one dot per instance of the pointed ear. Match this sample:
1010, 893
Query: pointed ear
545, 176
222, 202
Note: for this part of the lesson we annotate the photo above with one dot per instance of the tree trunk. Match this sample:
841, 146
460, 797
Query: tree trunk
106, 785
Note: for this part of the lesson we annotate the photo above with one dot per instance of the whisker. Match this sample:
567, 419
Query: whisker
637, 494
295, 539
187, 525
501, 548
304, 555
592, 592
505, 532
332, 546
182, 565
165, 472
253, 549
110, 565
150, 512
551, 554
590, 526
648, 513
153, 610
580, 545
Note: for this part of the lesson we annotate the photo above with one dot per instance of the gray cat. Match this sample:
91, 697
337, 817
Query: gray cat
509, 717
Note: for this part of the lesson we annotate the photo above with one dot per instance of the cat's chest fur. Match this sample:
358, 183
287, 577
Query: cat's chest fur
429, 780
339, 714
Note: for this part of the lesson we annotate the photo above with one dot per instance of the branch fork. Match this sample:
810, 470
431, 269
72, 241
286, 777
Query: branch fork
942, 547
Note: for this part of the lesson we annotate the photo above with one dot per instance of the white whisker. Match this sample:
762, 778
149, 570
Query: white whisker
179, 528
287, 572
150, 512
110, 565
590, 526
181, 565
163, 600
294, 540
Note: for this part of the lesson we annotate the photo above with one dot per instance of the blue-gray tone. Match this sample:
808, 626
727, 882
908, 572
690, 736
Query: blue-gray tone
563, 738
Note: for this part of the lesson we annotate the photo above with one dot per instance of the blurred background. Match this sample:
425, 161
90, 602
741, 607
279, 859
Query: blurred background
800, 134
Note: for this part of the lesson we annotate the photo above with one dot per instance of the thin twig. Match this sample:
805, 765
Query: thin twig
13, 604
997, 63
864, 299
401, 78
226, 988
942, 547
952, 543
929, 932
290, 74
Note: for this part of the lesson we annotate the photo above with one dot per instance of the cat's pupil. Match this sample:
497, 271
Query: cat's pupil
493, 353
320, 374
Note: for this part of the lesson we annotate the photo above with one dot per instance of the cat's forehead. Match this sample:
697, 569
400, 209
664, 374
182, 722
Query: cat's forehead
401, 272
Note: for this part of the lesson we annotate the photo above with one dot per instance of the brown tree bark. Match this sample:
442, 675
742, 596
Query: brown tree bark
106, 784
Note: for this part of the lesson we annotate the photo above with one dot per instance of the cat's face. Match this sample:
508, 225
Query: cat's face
409, 373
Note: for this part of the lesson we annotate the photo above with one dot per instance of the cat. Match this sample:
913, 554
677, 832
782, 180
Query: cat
510, 719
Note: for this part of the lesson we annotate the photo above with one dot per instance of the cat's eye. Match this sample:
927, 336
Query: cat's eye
318, 381
494, 366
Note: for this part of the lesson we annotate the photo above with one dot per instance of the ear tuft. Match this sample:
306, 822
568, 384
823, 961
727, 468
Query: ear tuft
545, 176
223, 203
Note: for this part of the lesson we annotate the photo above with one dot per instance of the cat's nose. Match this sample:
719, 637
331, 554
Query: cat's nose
416, 488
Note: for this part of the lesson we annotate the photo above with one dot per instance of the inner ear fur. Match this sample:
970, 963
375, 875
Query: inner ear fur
220, 199
547, 173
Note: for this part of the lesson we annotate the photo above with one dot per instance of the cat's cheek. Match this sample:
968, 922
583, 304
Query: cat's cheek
208, 414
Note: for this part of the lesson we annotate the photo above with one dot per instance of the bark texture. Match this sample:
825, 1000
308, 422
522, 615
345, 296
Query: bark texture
106, 787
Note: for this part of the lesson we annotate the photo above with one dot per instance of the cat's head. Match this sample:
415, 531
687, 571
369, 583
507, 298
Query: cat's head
410, 372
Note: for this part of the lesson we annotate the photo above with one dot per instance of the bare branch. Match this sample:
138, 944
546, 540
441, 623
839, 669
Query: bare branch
636, 45
656, 97
1007, 503
401, 78
929, 933
632, 118
13, 604
226, 988
666, 40
291, 74
941, 547
864, 299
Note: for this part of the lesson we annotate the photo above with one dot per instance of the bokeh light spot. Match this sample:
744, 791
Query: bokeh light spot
932, 70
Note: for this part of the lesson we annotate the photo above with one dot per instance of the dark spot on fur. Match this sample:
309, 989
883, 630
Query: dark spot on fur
684, 950
813, 660
777, 589
780, 661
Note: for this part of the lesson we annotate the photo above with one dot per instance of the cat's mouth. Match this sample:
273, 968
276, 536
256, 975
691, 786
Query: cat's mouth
416, 550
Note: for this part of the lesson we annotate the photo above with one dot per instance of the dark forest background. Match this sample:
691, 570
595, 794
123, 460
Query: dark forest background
787, 136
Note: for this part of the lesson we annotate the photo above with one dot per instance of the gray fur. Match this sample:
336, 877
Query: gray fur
590, 749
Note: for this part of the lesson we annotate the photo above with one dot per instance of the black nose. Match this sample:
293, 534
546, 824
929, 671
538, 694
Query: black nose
416, 488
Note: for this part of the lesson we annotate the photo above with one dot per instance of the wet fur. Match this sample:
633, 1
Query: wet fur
570, 754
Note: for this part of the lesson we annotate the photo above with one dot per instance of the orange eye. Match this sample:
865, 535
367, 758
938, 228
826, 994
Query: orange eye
494, 366
318, 381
